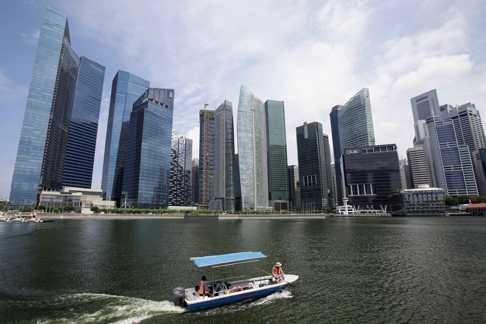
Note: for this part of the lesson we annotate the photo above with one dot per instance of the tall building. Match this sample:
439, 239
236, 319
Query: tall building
57, 93
372, 177
125, 90
294, 187
180, 175
480, 163
222, 196
405, 179
277, 154
252, 151
146, 172
424, 106
83, 125
452, 162
236, 182
314, 167
419, 167
195, 181
352, 127
206, 155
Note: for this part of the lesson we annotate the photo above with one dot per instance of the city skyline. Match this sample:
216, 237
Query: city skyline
452, 26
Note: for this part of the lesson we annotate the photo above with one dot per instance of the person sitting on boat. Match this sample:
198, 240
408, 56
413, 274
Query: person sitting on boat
277, 272
202, 289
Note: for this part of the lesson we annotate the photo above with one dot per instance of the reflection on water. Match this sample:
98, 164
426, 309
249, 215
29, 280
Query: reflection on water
351, 269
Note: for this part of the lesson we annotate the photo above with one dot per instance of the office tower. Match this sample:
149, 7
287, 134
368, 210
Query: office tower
372, 176
195, 181
314, 167
57, 93
222, 196
420, 172
146, 171
236, 182
126, 88
352, 127
276, 154
424, 106
294, 188
452, 163
252, 151
83, 125
180, 177
206, 155
480, 163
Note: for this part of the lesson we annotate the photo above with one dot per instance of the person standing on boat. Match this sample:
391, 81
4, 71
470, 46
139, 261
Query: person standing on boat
277, 272
203, 287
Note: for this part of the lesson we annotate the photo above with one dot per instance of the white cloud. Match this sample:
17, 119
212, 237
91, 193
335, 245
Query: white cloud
312, 55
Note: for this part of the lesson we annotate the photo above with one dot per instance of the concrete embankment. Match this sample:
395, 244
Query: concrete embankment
172, 216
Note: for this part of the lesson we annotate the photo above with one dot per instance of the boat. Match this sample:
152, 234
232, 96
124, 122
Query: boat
223, 292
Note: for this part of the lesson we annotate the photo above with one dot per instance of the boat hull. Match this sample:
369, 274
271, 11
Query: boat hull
230, 299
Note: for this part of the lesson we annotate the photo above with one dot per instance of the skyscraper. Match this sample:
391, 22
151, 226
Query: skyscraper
373, 177
57, 94
195, 181
352, 127
252, 151
146, 173
314, 167
83, 125
180, 175
277, 154
420, 172
125, 90
424, 106
405, 179
452, 163
206, 155
222, 196
294, 187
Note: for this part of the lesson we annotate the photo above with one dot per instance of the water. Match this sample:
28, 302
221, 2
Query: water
381, 270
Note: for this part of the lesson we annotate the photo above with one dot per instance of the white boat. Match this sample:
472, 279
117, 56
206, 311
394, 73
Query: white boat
223, 292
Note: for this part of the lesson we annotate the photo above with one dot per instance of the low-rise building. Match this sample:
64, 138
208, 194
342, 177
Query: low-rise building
78, 198
423, 201
478, 209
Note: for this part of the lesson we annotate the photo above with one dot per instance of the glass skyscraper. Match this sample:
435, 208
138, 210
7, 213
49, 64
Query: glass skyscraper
83, 125
206, 155
277, 154
223, 193
314, 167
372, 177
424, 106
252, 151
352, 127
125, 90
56, 95
148, 152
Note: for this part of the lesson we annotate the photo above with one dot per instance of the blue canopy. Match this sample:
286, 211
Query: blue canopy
222, 260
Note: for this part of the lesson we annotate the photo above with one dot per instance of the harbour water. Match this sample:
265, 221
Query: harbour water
380, 270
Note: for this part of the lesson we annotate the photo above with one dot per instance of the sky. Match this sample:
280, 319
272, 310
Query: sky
311, 54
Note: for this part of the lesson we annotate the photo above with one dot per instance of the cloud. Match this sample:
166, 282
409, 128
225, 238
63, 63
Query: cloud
311, 55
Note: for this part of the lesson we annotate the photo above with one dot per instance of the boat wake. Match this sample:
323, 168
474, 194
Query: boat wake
96, 308
284, 294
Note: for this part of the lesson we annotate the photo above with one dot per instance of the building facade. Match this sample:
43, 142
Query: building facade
423, 201
57, 92
222, 197
294, 187
252, 151
195, 181
372, 177
146, 174
126, 88
452, 163
419, 167
83, 125
314, 167
352, 127
180, 175
424, 106
206, 155
277, 154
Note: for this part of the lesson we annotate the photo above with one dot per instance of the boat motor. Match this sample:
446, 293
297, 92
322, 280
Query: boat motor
179, 296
